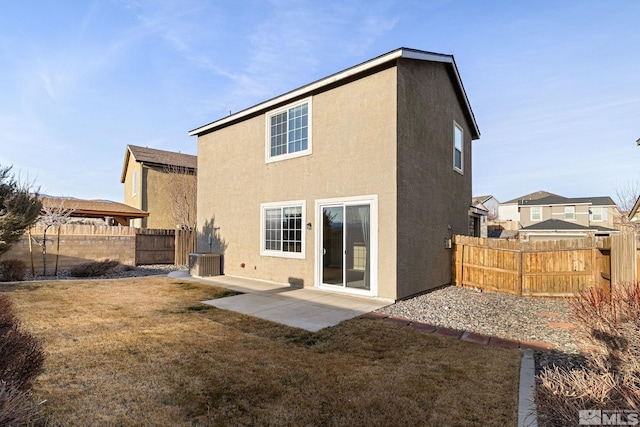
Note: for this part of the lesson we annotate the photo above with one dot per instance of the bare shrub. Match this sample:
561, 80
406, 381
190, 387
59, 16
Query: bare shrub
17, 408
21, 361
94, 268
13, 270
608, 327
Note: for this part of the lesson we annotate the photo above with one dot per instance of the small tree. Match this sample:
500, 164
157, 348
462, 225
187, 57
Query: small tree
54, 213
626, 197
19, 208
181, 189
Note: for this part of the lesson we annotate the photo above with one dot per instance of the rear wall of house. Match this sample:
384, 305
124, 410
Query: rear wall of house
433, 198
353, 139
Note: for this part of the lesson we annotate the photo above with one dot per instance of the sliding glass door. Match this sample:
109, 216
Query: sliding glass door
346, 246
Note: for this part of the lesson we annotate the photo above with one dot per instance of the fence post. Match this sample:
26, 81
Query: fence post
458, 257
520, 272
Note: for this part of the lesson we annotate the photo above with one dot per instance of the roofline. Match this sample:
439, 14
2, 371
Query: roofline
402, 52
635, 208
568, 202
127, 155
103, 212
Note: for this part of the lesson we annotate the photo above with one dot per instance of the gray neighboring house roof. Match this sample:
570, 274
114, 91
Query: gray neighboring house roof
163, 157
155, 157
482, 199
559, 200
558, 224
531, 196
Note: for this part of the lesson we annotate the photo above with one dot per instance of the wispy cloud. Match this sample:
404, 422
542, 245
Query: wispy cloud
277, 44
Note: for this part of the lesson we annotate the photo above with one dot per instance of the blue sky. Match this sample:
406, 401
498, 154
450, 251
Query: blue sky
554, 86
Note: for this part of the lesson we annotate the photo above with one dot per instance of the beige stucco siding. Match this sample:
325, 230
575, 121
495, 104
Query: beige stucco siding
353, 154
557, 212
151, 195
433, 198
158, 200
131, 198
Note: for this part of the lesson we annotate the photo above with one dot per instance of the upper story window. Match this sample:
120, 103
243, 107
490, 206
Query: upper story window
134, 184
289, 132
536, 213
569, 213
457, 148
598, 214
282, 230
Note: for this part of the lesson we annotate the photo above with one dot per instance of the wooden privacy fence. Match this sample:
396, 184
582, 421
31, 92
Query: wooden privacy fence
185, 243
553, 269
156, 246
73, 244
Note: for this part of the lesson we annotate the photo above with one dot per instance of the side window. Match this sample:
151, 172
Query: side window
569, 213
536, 213
598, 214
289, 132
134, 184
457, 148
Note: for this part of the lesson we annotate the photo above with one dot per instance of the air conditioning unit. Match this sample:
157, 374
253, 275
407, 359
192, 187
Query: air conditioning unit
203, 265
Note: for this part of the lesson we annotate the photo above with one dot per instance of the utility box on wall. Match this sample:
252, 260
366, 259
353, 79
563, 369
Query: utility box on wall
204, 265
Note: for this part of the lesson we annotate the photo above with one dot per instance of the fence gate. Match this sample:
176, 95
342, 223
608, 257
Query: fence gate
155, 246
185, 244
623, 255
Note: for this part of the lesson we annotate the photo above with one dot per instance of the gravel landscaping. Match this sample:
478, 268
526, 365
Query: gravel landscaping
120, 272
498, 315
492, 314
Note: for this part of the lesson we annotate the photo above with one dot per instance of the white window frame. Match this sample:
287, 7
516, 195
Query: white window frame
602, 214
372, 201
537, 209
286, 108
457, 128
569, 213
280, 253
134, 184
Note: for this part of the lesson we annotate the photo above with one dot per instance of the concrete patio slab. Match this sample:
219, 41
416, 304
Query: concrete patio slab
309, 309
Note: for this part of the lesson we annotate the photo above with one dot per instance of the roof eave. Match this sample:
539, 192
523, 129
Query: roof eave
126, 163
102, 213
343, 75
635, 208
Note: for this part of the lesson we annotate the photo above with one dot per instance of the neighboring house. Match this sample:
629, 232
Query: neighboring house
510, 210
149, 176
556, 217
354, 183
105, 211
478, 215
490, 203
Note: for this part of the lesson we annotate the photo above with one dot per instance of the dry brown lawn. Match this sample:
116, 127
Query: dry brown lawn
145, 352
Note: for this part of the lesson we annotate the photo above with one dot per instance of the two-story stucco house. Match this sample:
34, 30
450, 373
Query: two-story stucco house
150, 176
353, 183
555, 217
